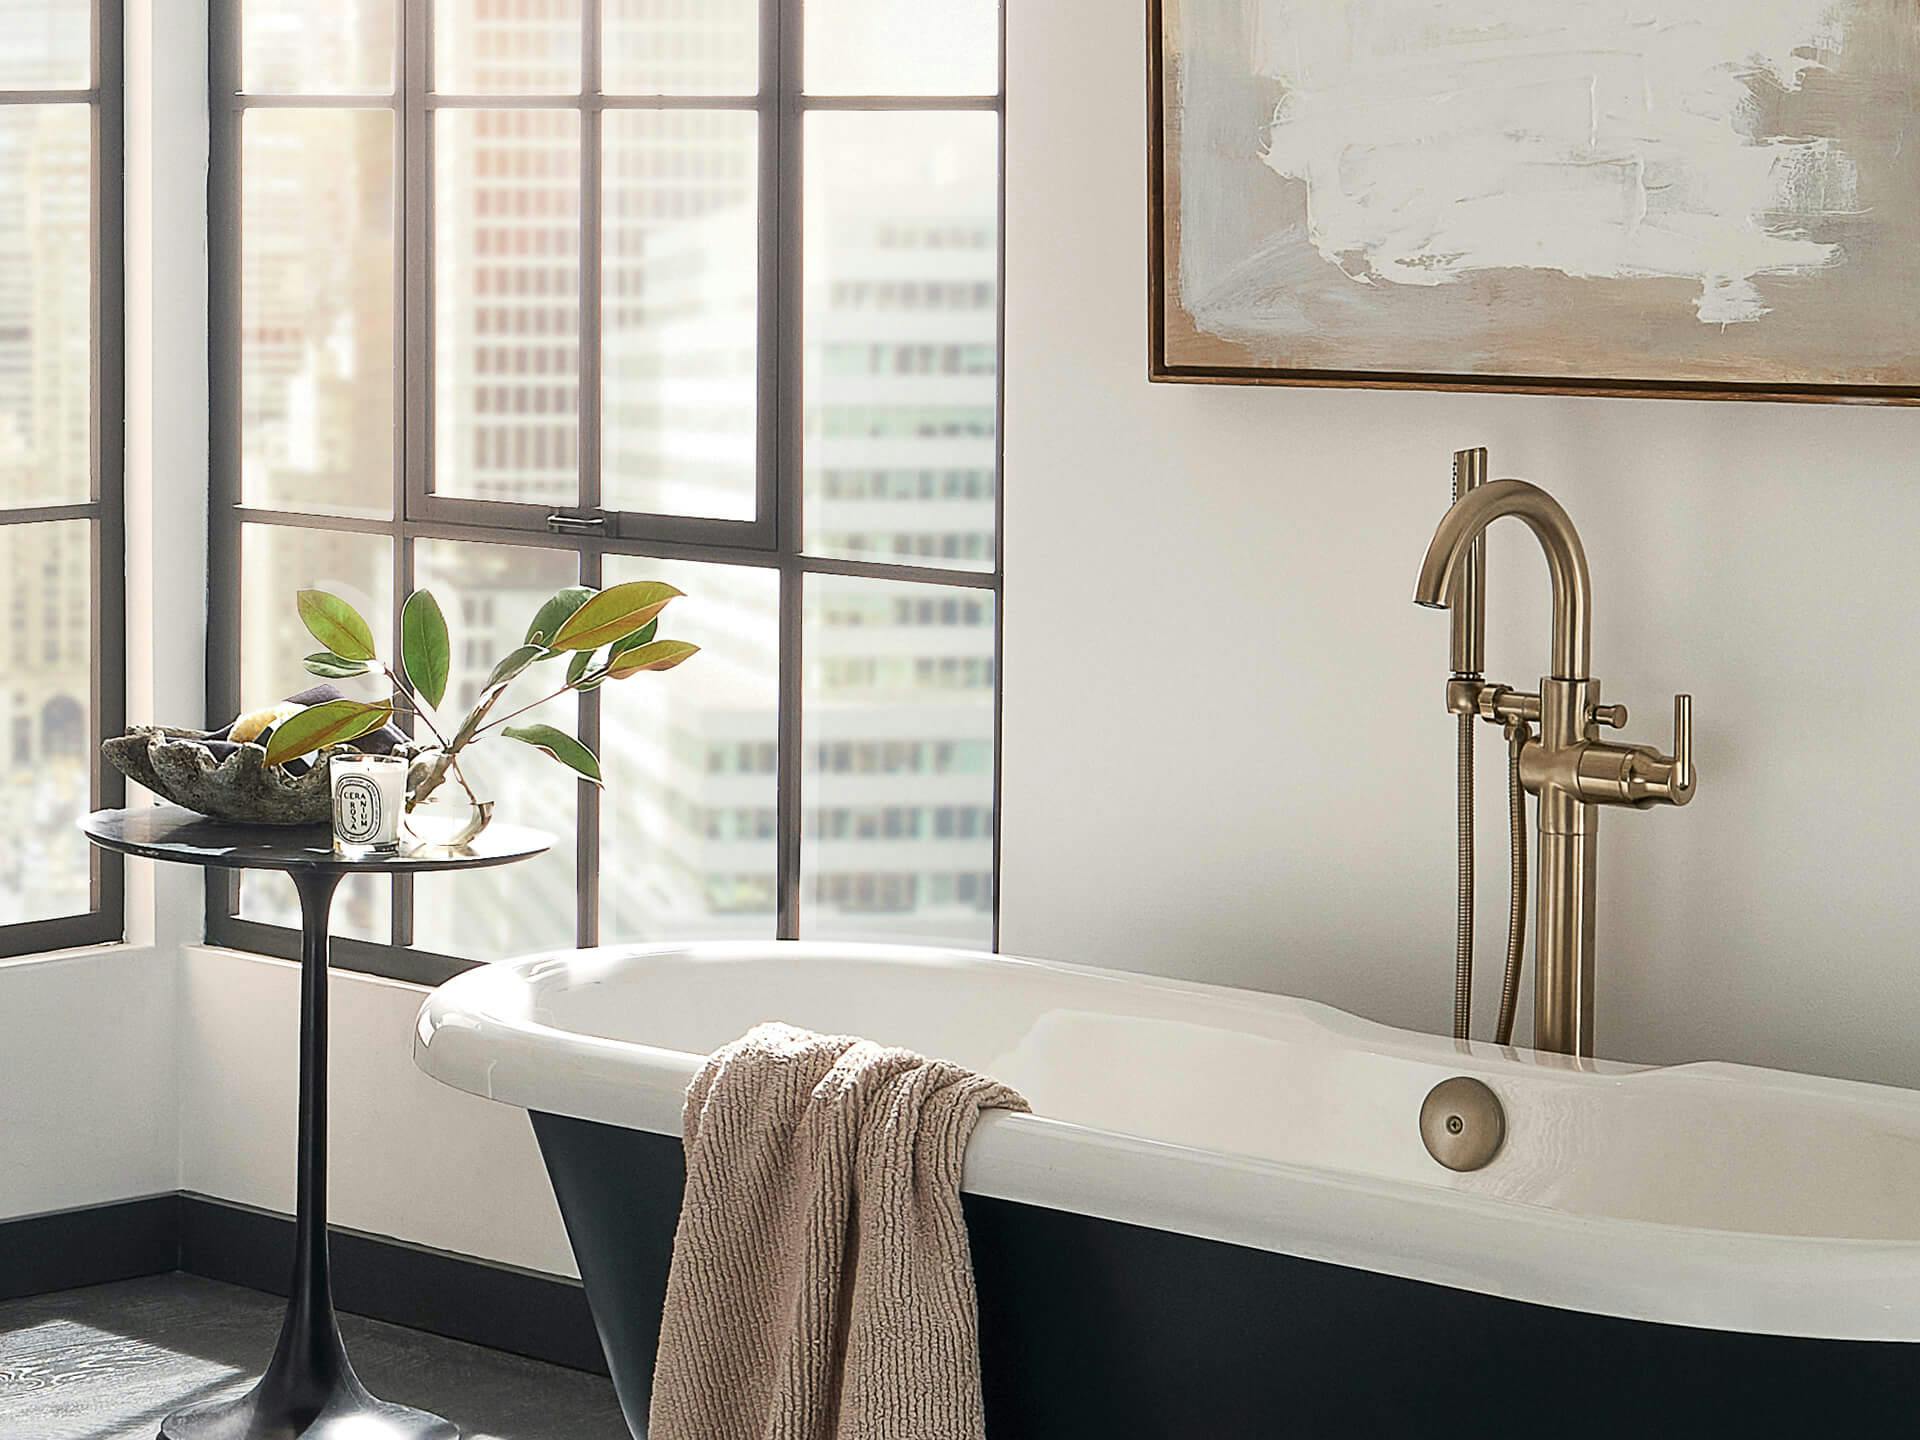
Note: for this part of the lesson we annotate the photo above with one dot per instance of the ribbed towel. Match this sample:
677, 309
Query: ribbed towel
821, 1287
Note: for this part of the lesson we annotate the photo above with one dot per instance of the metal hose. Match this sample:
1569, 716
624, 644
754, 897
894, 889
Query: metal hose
1463, 946
1517, 736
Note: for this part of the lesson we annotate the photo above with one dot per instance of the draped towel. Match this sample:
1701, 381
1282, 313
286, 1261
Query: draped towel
821, 1286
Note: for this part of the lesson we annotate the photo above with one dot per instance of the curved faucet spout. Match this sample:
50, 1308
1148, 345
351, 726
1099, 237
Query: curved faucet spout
1566, 562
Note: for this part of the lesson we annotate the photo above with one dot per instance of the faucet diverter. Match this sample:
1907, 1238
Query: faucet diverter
1462, 525
1569, 770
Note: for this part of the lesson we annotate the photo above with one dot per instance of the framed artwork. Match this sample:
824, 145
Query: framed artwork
1707, 198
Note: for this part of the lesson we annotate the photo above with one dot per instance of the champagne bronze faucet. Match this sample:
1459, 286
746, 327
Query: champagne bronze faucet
1565, 766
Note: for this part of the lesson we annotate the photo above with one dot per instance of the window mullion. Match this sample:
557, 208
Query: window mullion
587, 815
587, 376
39, 514
413, 362
781, 75
108, 660
400, 909
999, 476
226, 120
400, 895
416, 212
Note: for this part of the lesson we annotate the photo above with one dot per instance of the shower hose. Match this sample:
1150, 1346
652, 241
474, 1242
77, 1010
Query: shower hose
1517, 736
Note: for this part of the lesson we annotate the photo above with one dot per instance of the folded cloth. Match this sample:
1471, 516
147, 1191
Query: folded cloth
378, 742
821, 1287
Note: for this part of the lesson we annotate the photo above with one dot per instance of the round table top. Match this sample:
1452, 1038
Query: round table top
168, 832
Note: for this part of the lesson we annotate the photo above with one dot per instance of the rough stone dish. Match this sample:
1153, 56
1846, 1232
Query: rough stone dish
215, 777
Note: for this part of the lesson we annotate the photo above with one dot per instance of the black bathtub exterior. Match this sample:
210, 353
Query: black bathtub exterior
1092, 1330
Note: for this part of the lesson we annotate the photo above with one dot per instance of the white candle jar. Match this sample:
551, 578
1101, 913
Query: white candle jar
369, 799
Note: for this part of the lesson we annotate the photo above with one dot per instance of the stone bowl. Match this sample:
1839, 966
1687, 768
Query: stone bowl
220, 779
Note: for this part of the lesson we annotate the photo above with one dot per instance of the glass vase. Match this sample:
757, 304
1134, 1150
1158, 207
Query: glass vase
441, 814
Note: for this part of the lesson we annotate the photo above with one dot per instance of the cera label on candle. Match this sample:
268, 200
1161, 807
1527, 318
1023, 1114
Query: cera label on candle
356, 809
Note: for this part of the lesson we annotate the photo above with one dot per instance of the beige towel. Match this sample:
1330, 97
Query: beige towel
821, 1287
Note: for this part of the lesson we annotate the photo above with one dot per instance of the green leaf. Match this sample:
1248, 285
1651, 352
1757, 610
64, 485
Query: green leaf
330, 666
583, 660
334, 722
509, 669
336, 625
613, 615
634, 641
577, 669
659, 655
426, 654
556, 612
560, 745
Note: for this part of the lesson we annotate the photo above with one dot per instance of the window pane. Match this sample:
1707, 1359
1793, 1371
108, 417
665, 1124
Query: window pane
507, 305
362, 906
45, 45
46, 381
46, 728
902, 47
506, 47
674, 47
489, 594
318, 396
317, 47
679, 312
687, 818
276, 563
902, 223
897, 784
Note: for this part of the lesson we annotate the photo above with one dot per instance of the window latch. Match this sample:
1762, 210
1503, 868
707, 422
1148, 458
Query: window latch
577, 524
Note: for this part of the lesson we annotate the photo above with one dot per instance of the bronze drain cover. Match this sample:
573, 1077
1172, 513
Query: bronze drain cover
1462, 1124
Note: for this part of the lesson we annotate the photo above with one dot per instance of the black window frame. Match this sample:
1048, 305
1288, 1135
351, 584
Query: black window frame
773, 540
104, 510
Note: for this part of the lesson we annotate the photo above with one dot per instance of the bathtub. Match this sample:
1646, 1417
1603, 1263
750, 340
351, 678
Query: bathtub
1221, 1221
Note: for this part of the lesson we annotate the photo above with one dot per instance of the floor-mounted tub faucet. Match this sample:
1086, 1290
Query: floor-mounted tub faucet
1564, 765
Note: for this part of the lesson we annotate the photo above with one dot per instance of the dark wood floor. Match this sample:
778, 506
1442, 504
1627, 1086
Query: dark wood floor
106, 1363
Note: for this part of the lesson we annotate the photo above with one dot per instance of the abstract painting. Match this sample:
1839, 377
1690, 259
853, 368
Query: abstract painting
1694, 197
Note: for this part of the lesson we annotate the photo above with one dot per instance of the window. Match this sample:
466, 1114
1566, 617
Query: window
517, 294
62, 587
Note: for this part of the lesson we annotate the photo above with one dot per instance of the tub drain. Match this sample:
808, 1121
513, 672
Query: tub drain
1462, 1124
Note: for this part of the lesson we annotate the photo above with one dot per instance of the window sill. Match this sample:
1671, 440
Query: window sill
112, 950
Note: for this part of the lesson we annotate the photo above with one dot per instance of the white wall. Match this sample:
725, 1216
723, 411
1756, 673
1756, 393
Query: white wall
409, 1156
87, 1048
1225, 751
87, 1092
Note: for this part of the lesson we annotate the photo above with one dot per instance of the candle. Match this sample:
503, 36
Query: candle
369, 797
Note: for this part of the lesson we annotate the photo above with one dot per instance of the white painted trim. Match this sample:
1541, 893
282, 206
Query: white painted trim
166, 464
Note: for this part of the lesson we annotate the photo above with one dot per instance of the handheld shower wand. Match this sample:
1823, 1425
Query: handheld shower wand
1468, 615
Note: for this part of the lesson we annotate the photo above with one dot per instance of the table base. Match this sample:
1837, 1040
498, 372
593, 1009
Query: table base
346, 1415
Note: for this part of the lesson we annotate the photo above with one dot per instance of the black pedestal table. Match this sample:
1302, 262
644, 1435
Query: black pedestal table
309, 1389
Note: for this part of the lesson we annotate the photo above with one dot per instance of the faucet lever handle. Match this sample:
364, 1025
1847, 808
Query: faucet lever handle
1683, 744
1639, 775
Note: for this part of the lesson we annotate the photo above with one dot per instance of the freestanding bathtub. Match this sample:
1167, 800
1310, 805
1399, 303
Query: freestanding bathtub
1220, 1221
